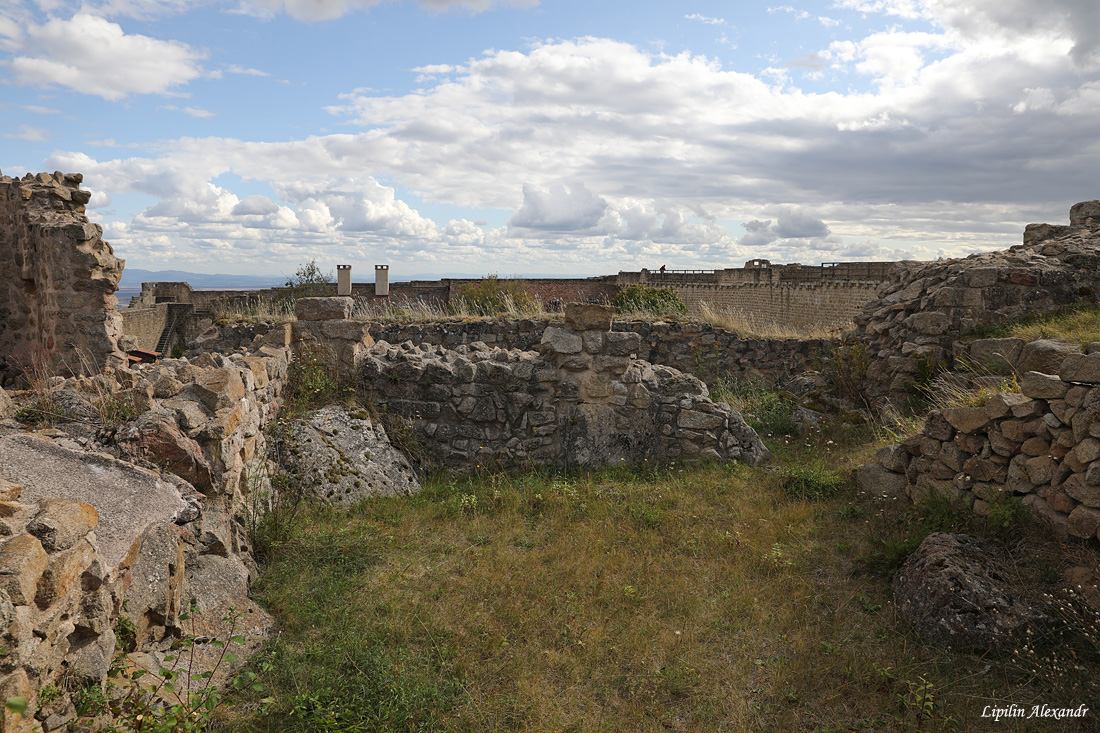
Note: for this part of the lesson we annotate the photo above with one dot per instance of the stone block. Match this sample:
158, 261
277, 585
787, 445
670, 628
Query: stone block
63, 574
588, 316
323, 309
966, 419
694, 420
1083, 522
937, 427
893, 458
996, 354
1045, 355
1043, 386
1081, 368
619, 343
931, 323
60, 523
219, 388
559, 341
1084, 492
1085, 213
1001, 404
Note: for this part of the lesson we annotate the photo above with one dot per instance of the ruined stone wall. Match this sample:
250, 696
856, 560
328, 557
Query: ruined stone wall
89, 539
584, 399
1040, 446
919, 319
57, 279
699, 349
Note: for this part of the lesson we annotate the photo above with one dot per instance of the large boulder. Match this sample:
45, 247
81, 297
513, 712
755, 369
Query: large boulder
953, 592
342, 458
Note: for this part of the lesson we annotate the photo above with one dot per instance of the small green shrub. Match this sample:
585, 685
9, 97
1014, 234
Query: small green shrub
648, 299
766, 409
312, 382
309, 281
846, 372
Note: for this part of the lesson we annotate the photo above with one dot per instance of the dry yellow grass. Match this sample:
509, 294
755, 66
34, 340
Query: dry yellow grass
697, 598
754, 327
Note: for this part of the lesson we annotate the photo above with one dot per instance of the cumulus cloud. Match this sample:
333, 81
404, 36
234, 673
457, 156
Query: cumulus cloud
92, 55
560, 208
608, 153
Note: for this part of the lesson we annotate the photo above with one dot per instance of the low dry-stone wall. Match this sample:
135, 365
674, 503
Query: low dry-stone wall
920, 318
1041, 445
586, 399
57, 280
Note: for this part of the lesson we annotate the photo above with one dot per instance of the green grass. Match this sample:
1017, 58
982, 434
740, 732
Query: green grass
649, 598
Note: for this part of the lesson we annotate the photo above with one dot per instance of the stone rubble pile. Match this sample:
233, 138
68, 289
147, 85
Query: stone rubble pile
919, 318
585, 399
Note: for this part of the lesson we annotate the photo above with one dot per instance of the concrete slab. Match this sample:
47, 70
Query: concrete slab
127, 498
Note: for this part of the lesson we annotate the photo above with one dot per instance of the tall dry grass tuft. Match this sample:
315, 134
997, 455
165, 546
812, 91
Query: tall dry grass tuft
755, 327
254, 310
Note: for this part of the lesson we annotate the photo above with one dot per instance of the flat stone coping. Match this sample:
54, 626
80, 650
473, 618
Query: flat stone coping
127, 498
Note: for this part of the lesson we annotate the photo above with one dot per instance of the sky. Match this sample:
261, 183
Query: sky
554, 137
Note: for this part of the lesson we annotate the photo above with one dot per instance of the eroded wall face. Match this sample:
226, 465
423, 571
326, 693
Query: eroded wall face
57, 280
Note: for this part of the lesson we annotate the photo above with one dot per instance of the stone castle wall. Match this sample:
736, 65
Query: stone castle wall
91, 539
57, 280
797, 305
145, 325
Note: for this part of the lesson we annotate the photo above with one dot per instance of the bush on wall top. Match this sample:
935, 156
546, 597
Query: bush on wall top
647, 299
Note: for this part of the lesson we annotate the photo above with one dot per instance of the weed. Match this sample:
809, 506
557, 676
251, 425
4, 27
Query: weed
173, 698
1064, 656
765, 408
312, 382
811, 482
846, 372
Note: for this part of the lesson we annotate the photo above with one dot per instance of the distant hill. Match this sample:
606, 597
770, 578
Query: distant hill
133, 277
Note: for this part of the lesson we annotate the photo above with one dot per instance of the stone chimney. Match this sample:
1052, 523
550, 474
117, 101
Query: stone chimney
343, 279
382, 281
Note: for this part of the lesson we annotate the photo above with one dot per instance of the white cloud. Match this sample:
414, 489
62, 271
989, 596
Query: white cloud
705, 19
329, 9
609, 155
561, 208
92, 55
30, 134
